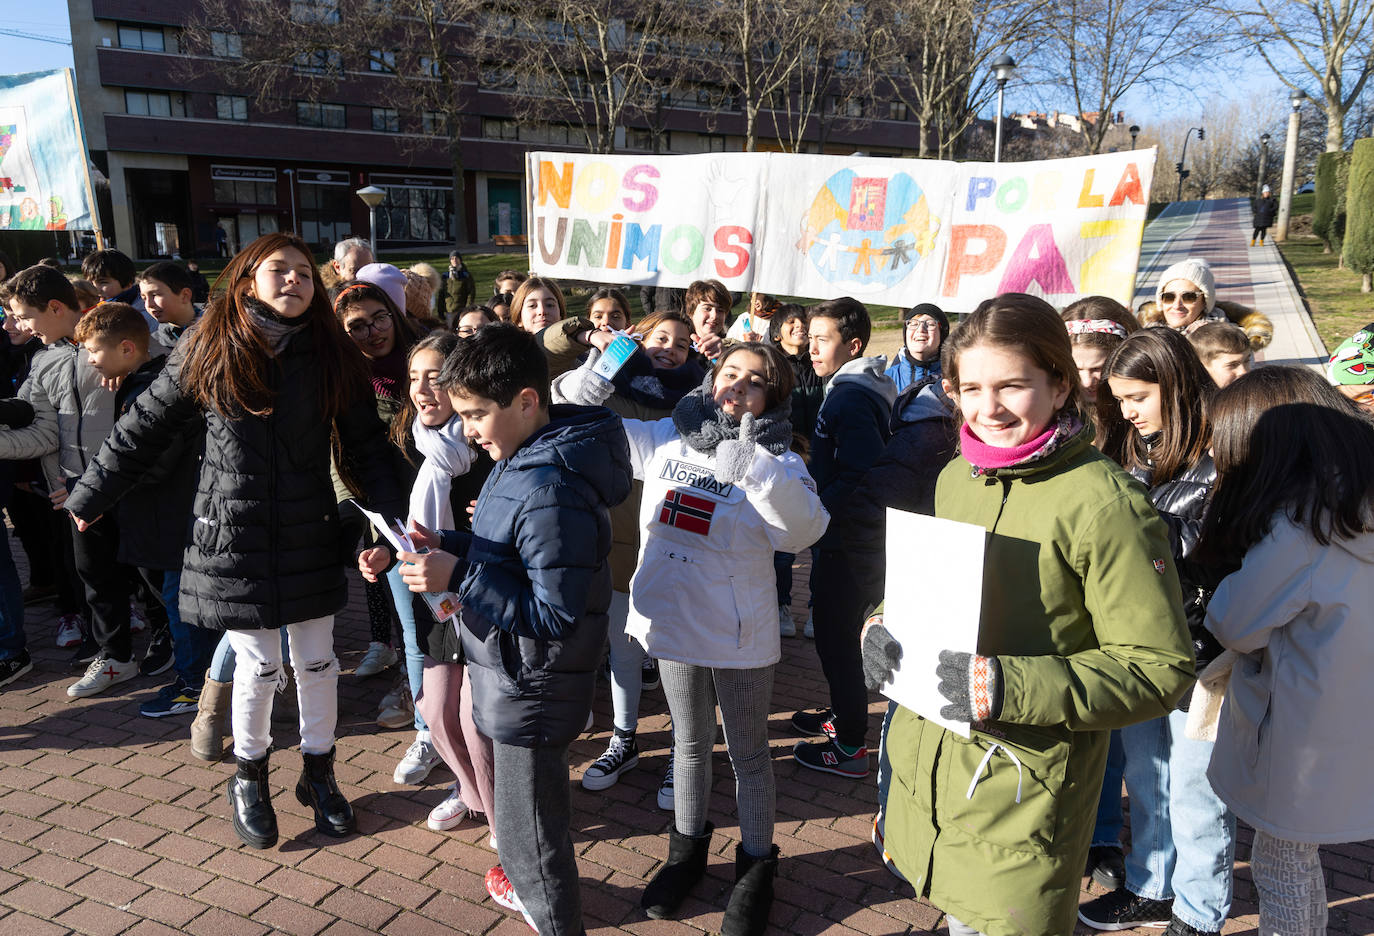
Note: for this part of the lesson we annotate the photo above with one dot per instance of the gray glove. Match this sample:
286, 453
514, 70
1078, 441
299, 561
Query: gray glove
734, 456
973, 685
586, 387
882, 655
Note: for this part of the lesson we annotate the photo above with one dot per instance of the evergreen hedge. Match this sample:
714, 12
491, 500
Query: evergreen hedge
1329, 215
1358, 251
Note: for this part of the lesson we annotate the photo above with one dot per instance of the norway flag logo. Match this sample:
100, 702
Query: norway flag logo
686, 512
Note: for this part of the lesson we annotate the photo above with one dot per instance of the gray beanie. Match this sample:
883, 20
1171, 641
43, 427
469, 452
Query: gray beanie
1195, 270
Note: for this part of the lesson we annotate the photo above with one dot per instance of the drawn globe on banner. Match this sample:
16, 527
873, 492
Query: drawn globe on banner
867, 233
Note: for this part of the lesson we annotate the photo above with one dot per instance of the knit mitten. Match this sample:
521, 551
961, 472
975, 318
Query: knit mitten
584, 385
734, 456
881, 653
972, 684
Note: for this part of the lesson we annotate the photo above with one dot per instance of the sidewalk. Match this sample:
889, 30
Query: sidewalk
1219, 232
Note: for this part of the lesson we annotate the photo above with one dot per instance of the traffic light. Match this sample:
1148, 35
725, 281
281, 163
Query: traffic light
1178, 167
1201, 133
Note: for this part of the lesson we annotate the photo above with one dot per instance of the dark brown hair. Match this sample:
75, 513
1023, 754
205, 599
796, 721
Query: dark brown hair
613, 294
227, 358
111, 263
1164, 357
401, 432
111, 323
1023, 324
355, 291
38, 285
529, 285
712, 291
645, 326
1216, 338
850, 317
1091, 308
1285, 441
777, 372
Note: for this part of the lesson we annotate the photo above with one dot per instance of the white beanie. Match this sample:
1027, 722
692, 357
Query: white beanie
1196, 271
389, 280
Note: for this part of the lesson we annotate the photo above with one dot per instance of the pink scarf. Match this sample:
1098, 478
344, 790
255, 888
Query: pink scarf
984, 456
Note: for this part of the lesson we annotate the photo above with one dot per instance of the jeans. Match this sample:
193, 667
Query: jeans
627, 665
1183, 838
12, 640
838, 618
317, 685
401, 597
534, 841
1109, 821
191, 645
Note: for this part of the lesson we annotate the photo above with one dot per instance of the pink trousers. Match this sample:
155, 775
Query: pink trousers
445, 703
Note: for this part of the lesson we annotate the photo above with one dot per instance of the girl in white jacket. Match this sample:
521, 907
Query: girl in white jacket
722, 493
1295, 744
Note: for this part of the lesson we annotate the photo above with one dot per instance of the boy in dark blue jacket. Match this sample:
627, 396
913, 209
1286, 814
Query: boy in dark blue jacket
851, 432
535, 586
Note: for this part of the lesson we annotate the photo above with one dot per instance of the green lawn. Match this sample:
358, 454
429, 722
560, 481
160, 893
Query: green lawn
1338, 307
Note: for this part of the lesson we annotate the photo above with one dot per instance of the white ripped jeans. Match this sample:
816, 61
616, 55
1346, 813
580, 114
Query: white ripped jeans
259, 672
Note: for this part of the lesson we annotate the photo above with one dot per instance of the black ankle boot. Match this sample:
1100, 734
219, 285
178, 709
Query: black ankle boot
752, 898
250, 802
318, 790
685, 866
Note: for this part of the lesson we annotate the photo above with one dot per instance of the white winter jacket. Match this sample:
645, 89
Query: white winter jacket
705, 591
1295, 742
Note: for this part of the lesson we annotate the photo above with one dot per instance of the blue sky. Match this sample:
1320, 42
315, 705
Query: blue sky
41, 19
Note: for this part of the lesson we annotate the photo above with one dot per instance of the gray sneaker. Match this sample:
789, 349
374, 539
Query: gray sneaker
786, 626
419, 760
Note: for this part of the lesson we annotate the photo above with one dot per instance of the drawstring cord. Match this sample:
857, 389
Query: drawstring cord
982, 765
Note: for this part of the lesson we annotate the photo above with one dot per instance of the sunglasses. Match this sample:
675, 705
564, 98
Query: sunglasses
1186, 296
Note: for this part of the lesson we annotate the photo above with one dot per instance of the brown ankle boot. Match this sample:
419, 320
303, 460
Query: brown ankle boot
212, 716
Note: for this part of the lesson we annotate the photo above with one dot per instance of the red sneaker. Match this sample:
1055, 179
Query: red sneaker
501, 891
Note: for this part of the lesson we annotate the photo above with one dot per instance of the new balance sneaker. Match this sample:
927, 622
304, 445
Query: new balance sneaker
448, 814
786, 626
101, 675
651, 678
69, 631
829, 757
176, 699
621, 755
815, 723
1178, 928
1122, 910
665, 789
158, 658
377, 658
419, 760
138, 621
11, 668
501, 891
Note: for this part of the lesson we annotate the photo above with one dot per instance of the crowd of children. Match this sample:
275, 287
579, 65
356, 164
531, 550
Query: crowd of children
1178, 551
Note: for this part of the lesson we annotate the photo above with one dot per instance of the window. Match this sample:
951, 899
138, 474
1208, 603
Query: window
382, 60
244, 192
148, 103
639, 140
414, 213
429, 67
325, 213
231, 107
330, 116
386, 120
226, 45
315, 11
500, 78
318, 60
496, 129
896, 110
434, 123
144, 38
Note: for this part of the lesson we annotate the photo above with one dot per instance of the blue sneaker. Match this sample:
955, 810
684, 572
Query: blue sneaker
176, 699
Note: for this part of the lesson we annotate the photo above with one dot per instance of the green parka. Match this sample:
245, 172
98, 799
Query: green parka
1082, 608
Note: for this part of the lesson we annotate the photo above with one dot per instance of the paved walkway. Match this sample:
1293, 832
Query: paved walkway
109, 826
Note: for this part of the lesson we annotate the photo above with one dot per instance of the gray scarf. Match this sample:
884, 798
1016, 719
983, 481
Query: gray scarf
276, 330
703, 426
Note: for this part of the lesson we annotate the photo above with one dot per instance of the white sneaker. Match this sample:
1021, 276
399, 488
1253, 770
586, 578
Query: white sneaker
138, 622
415, 766
101, 675
786, 626
665, 789
448, 814
809, 631
377, 658
68, 630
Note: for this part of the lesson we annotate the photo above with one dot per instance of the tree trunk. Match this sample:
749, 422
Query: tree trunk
460, 203
1367, 283
1335, 127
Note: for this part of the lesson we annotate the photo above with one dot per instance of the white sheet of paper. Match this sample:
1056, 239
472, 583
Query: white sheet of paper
933, 607
394, 531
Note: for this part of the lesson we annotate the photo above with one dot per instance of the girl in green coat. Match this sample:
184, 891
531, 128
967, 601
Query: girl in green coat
1082, 631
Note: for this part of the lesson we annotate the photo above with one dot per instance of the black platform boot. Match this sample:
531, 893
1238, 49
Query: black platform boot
747, 912
318, 790
250, 802
680, 873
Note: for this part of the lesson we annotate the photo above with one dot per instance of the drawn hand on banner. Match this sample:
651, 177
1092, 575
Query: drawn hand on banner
724, 191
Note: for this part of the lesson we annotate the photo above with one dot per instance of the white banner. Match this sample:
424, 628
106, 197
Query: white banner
43, 180
888, 231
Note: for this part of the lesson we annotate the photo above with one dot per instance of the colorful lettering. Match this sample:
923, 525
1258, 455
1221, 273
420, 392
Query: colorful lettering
648, 194
559, 185
1037, 260
725, 242
963, 262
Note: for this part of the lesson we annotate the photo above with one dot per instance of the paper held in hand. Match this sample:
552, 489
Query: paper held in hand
443, 605
933, 609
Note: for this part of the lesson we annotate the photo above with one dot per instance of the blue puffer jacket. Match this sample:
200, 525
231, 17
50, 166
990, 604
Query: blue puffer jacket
851, 432
535, 586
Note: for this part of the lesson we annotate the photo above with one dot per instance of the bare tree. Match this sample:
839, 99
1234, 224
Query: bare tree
304, 50
1101, 49
1332, 42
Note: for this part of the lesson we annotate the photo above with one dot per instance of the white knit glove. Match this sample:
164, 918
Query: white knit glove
585, 386
734, 456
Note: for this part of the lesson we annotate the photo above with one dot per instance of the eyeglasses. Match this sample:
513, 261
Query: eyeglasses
914, 325
361, 328
1189, 296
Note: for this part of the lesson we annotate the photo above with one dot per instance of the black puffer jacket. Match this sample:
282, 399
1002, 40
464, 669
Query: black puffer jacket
1182, 502
265, 546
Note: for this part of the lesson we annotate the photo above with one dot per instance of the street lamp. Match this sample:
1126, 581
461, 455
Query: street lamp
1290, 166
372, 196
1003, 68
1264, 164
1135, 132
1184, 173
